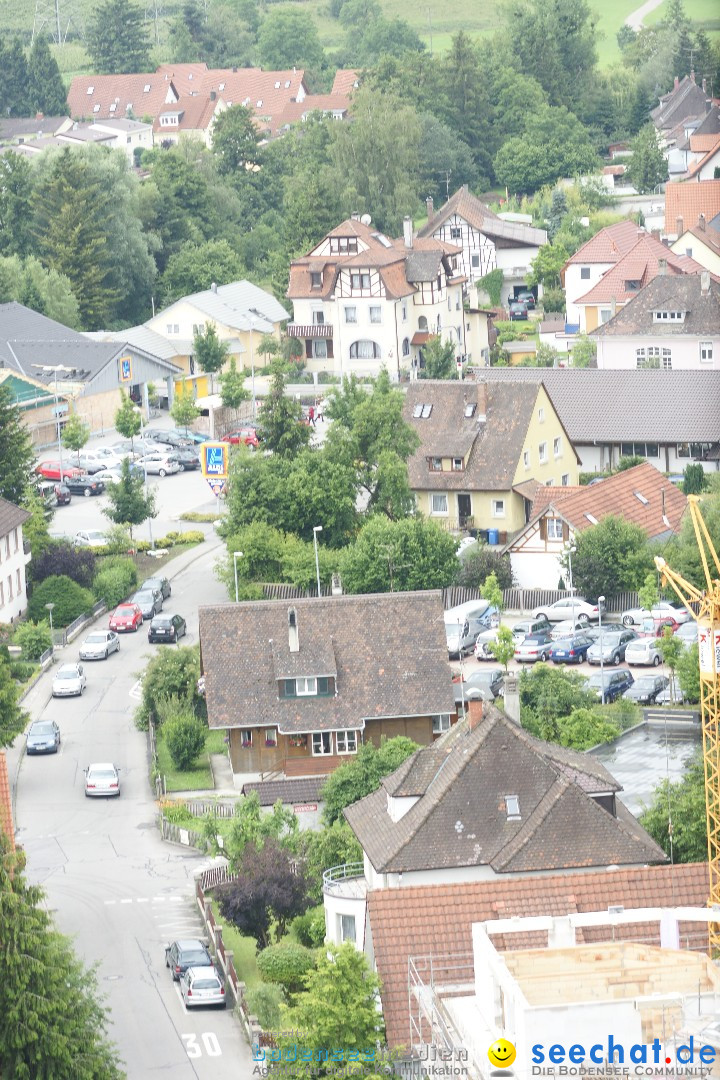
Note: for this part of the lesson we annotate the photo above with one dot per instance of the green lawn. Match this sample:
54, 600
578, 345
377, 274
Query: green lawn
705, 14
197, 779
244, 952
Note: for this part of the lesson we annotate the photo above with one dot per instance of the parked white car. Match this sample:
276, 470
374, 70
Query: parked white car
90, 538
99, 645
644, 650
662, 610
69, 681
160, 464
568, 608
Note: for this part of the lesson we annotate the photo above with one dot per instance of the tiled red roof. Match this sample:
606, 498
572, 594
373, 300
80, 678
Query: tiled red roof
700, 144
345, 81
143, 95
609, 245
709, 156
6, 816
187, 78
196, 114
436, 920
641, 264
689, 201
617, 495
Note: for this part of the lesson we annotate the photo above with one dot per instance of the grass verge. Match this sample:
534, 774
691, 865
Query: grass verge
244, 950
147, 566
200, 777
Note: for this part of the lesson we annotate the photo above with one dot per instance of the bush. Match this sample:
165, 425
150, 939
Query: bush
22, 672
184, 736
170, 673
178, 814
310, 928
33, 638
116, 580
553, 300
196, 515
65, 558
69, 598
264, 1002
286, 964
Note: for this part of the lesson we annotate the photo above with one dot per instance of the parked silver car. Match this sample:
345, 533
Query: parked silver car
568, 608
69, 681
610, 648
644, 650
202, 986
661, 610
43, 738
533, 648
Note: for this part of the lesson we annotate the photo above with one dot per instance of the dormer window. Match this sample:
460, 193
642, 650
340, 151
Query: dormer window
668, 316
435, 464
458, 464
343, 245
632, 285
316, 279
307, 686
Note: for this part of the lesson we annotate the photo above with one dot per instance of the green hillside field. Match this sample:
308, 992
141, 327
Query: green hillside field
436, 23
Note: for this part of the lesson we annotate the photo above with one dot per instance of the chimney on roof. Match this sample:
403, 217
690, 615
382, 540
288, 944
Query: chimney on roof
704, 282
234, 71
677, 83
655, 233
613, 306
481, 415
213, 95
430, 208
293, 638
474, 713
336, 589
662, 267
408, 231
692, 76
213, 286
39, 116
355, 216
701, 222
704, 86
680, 226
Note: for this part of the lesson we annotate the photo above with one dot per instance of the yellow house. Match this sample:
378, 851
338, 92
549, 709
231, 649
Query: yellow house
701, 243
242, 313
484, 450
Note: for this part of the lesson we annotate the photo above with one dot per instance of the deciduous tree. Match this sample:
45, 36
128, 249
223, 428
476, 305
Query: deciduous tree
75, 434
196, 266
12, 719
676, 817
361, 776
503, 649
396, 556
235, 140
270, 891
288, 38
647, 167
439, 357
130, 502
183, 410
612, 557
252, 825
127, 418
280, 420
232, 386
172, 672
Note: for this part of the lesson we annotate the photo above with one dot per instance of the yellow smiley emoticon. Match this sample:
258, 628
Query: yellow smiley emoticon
501, 1053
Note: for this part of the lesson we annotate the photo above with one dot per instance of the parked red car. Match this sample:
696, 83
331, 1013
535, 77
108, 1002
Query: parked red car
247, 435
50, 470
126, 617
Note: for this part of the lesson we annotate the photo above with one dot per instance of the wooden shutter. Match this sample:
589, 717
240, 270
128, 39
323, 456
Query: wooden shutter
566, 531
330, 349
543, 528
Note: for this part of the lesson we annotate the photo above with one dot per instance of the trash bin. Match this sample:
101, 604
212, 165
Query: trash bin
502, 537
493, 537
482, 535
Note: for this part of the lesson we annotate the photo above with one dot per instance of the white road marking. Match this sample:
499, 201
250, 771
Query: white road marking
136, 690
180, 997
158, 899
142, 900
126, 901
108, 902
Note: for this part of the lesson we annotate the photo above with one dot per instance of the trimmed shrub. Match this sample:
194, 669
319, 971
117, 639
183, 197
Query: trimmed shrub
64, 558
184, 735
33, 639
172, 673
69, 598
264, 1002
310, 928
287, 964
22, 672
115, 580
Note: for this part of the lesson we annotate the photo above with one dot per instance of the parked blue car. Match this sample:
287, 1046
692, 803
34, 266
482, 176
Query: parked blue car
570, 650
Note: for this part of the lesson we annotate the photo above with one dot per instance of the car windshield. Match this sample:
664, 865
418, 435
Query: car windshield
598, 680
161, 621
95, 534
93, 639
41, 728
143, 596
195, 957
608, 639
67, 672
125, 611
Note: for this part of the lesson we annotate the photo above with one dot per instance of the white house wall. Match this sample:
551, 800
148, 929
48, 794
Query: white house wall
13, 587
478, 251
576, 286
619, 353
536, 569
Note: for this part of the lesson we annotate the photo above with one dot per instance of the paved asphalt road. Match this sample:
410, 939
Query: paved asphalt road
113, 885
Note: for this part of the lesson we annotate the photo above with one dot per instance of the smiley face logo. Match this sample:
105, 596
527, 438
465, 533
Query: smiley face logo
501, 1053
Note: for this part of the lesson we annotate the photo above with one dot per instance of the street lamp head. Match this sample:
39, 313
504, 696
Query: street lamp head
237, 554
601, 599
49, 607
317, 528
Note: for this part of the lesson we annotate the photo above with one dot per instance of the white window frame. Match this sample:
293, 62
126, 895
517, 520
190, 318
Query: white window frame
320, 740
498, 508
351, 314
359, 279
271, 734
438, 495
457, 464
346, 741
344, 930
706, 352
309, 686
554, 528
557, 447
375, 314
543, 453
319, 348
541, 415
318, 317
440, 723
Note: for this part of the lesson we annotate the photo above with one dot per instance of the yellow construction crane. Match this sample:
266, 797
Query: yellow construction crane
705, 607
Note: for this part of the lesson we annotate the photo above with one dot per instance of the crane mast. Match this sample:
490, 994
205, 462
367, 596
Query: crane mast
705, 607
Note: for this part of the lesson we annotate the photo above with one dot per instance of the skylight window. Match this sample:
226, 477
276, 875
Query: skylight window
96, 108
146, 88
381, 239
287, 85
591, 519
417, 412
259, 104
512, 807
90, 90
221, 86
470, 411
639, 495
277, 85
426, 410
113, 107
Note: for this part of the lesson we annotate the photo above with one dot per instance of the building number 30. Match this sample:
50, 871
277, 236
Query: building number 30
210, 1042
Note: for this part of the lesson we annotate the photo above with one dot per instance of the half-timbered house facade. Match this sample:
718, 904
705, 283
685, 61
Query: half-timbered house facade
363, 301
487, 242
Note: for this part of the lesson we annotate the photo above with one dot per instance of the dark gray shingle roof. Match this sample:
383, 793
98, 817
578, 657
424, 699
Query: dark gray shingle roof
302, 790
618, 406
11, 516
668, 292
390, 652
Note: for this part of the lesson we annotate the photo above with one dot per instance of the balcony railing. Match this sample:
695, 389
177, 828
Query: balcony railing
345, 880
312, 330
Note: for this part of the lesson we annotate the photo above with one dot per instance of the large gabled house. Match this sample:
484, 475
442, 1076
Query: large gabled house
484, 449
641, 495
363, 301
584, 269
488, 242
299, 685
673, 324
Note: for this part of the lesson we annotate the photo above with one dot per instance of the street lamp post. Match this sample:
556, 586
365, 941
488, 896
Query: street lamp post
138, 410
601, 601
252, 364
54, 368
52, 637
570, 550
236, 555
316, 530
